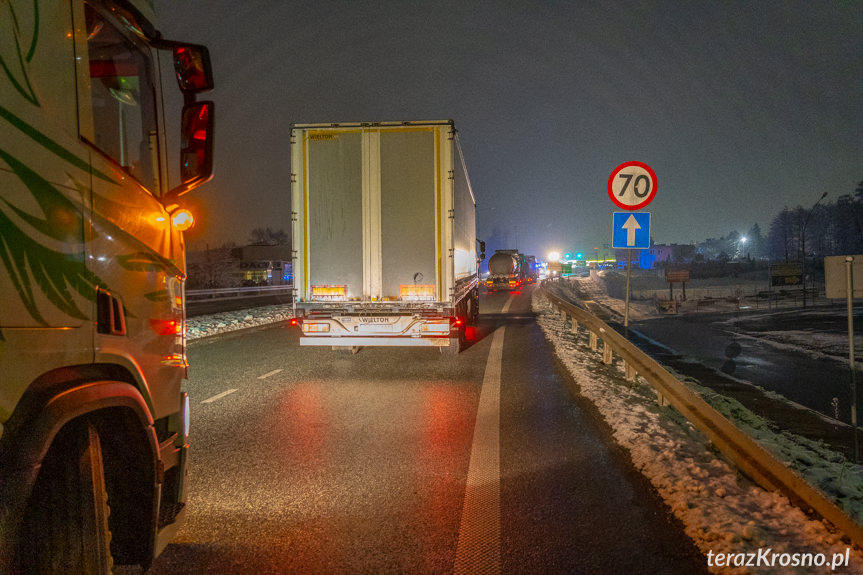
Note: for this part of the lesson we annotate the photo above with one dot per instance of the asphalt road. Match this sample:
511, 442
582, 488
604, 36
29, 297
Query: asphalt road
401, 460
809, 381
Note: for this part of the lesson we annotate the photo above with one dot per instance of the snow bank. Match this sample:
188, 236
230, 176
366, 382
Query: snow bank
214, 324
722, 511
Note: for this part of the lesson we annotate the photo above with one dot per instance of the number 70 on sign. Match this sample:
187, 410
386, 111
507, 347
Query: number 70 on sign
632, 185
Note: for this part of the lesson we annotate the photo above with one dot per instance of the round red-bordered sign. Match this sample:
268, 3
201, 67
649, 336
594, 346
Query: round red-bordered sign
632, 185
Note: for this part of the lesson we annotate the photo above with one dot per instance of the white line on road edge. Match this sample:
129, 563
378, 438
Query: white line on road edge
219, 396
478, 550
266, 375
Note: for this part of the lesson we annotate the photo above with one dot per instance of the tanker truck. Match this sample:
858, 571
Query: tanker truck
506, 270
385, 235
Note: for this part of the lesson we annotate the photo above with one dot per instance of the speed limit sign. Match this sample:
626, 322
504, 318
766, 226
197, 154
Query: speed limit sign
632, 185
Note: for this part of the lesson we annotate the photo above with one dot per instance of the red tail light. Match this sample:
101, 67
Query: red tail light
166, 326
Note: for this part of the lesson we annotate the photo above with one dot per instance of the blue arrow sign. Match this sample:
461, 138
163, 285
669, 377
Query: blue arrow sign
631, 230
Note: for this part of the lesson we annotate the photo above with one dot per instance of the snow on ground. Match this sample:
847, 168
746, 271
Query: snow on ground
831, 345
214, 324
722, 511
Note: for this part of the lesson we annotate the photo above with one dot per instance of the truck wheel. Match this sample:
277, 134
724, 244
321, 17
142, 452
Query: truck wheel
66, 529
454, 347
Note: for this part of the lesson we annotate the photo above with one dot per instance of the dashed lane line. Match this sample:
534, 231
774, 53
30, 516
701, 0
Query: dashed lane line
219, 396
266, 375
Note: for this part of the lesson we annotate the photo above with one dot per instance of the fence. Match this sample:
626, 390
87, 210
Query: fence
237, 292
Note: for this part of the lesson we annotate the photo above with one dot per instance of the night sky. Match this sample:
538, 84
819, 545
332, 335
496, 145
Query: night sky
741, 108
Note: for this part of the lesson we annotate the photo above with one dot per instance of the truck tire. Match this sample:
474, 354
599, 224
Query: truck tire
66, 529
454, 347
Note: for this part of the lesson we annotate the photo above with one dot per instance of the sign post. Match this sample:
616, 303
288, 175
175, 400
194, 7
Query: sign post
849, 286
631, 186
852, 266
630, 231
676, 277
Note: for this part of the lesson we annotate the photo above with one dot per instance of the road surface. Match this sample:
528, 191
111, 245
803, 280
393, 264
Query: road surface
401, 460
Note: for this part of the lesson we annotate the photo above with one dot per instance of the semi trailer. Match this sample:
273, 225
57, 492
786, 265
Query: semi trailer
384, 235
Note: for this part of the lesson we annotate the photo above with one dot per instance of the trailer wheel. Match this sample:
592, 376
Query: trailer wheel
454, 347
66, 529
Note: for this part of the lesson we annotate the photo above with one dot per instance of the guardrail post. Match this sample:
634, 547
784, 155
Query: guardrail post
631, 374
607, 354
660, 399
574, 327
593, 345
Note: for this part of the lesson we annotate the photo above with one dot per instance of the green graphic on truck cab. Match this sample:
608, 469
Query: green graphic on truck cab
51, 145
27, 261
53, 272
21, 84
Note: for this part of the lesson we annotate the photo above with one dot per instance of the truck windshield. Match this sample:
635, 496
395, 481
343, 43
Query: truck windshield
123, 98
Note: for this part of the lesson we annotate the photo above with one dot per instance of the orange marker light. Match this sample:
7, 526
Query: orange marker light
182, 220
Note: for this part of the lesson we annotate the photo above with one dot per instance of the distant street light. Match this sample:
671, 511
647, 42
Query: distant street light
553, 256
803, 242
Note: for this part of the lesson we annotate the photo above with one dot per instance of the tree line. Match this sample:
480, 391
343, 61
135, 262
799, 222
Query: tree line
828, 228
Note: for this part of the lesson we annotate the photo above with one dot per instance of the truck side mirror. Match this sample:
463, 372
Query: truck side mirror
196, 148
193, 68
194, 75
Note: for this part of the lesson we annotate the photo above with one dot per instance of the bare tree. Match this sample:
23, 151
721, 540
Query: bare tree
269, 237
211, 268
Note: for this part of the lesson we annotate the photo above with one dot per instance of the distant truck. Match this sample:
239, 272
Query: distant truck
384, 235
532, 270
507, 270
94, 421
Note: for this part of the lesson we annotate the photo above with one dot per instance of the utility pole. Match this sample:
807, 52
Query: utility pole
803, 242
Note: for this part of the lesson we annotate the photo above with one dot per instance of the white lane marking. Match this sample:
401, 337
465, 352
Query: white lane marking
219, 396
266, 375
505, 307
478, 550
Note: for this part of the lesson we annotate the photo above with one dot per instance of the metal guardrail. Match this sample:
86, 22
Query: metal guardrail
739, 448
237, 292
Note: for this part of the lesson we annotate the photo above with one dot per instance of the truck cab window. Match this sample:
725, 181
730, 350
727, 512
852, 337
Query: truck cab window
123, 98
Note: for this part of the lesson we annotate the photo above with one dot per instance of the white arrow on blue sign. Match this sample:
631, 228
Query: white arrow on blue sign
631, 230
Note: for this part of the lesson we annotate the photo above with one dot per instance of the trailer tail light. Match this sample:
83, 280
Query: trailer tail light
294, 321
423, 292
316, 327
457, 321
329, 293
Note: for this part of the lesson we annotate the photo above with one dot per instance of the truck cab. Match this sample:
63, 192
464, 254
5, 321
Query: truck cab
93, 416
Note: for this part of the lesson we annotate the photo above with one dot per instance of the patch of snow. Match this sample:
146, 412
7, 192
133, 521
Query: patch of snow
721, 510
214, 324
